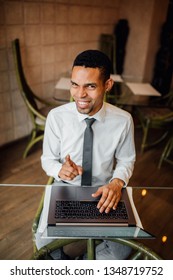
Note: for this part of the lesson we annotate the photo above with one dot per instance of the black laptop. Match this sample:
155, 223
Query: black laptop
73, 213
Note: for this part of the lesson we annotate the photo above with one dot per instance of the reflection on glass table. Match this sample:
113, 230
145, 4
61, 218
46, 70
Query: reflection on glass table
155, 208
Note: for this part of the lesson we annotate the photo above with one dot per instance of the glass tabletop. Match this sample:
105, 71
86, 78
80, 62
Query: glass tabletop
155, 209
122, 95
18, 204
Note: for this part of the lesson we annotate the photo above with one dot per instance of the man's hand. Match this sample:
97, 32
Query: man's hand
69, 169
110, 195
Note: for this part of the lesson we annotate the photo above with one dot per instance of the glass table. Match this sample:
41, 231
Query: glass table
18, 204
121, 95
155, 208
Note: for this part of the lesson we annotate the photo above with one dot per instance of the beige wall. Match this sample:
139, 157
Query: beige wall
158, 18
52, 32
145, 20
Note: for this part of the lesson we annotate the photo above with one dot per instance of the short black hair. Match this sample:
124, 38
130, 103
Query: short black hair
95, 59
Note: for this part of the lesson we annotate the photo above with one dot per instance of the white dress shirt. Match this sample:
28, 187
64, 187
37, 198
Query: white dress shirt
113, 143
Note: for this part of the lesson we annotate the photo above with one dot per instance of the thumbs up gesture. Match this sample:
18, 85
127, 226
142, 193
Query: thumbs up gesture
69, 169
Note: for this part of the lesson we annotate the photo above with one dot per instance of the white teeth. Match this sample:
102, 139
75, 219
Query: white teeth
82, 103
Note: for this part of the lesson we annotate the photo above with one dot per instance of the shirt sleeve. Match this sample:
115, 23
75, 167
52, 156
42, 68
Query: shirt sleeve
125, 154
50, 158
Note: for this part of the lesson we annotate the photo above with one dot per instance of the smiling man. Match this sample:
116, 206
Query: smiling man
113, 154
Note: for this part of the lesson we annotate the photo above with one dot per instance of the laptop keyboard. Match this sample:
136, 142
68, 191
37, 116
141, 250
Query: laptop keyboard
87, 210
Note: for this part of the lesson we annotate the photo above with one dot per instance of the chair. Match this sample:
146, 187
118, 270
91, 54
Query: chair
38, 116
107, 46
166, 154
140, 251
50, 180
165, 100
158, 118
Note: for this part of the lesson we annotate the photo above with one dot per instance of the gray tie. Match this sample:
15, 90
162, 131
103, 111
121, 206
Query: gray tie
87, 154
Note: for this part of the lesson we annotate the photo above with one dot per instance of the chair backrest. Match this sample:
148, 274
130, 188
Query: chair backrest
170, 99
107, 46
25, 90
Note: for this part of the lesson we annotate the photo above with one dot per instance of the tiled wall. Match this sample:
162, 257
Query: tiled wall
51, 33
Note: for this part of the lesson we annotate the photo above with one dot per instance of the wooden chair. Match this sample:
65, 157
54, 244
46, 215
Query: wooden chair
38, 116
152, 119
139, 251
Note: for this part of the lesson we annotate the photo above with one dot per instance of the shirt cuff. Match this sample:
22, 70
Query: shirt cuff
125, 185
56, 171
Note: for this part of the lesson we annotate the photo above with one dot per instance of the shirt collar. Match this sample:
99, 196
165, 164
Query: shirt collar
99, 116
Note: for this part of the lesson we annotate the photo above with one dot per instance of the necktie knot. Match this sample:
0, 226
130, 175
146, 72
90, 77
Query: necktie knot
89, 122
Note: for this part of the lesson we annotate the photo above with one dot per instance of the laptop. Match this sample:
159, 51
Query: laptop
75, 205
73, 214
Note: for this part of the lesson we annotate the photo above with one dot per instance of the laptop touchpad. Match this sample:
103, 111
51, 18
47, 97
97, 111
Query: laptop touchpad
85, 193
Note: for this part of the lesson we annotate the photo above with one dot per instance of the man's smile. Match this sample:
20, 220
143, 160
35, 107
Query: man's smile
83, 103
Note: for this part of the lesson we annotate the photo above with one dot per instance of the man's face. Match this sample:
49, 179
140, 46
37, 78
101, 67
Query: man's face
87, 89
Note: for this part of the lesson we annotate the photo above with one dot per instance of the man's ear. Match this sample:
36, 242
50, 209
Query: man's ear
109, 84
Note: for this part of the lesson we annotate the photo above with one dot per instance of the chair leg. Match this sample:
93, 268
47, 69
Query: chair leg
136, 256
50, 181
145, 134
145, 143
32, 142
91, 249
166, 152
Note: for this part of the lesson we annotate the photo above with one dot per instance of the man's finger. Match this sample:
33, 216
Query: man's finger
104, 204
72, 167
111, 205
68, 160
98, 192
103, 192
68, 174
106, 201
80, 170
71, 163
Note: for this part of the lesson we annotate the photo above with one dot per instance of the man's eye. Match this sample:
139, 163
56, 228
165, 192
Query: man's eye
91, 86
74, 85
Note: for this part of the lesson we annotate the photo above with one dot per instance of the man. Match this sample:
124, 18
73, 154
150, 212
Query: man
113, 141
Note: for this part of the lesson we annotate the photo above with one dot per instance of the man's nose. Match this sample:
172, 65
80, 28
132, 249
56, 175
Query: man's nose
81, 92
